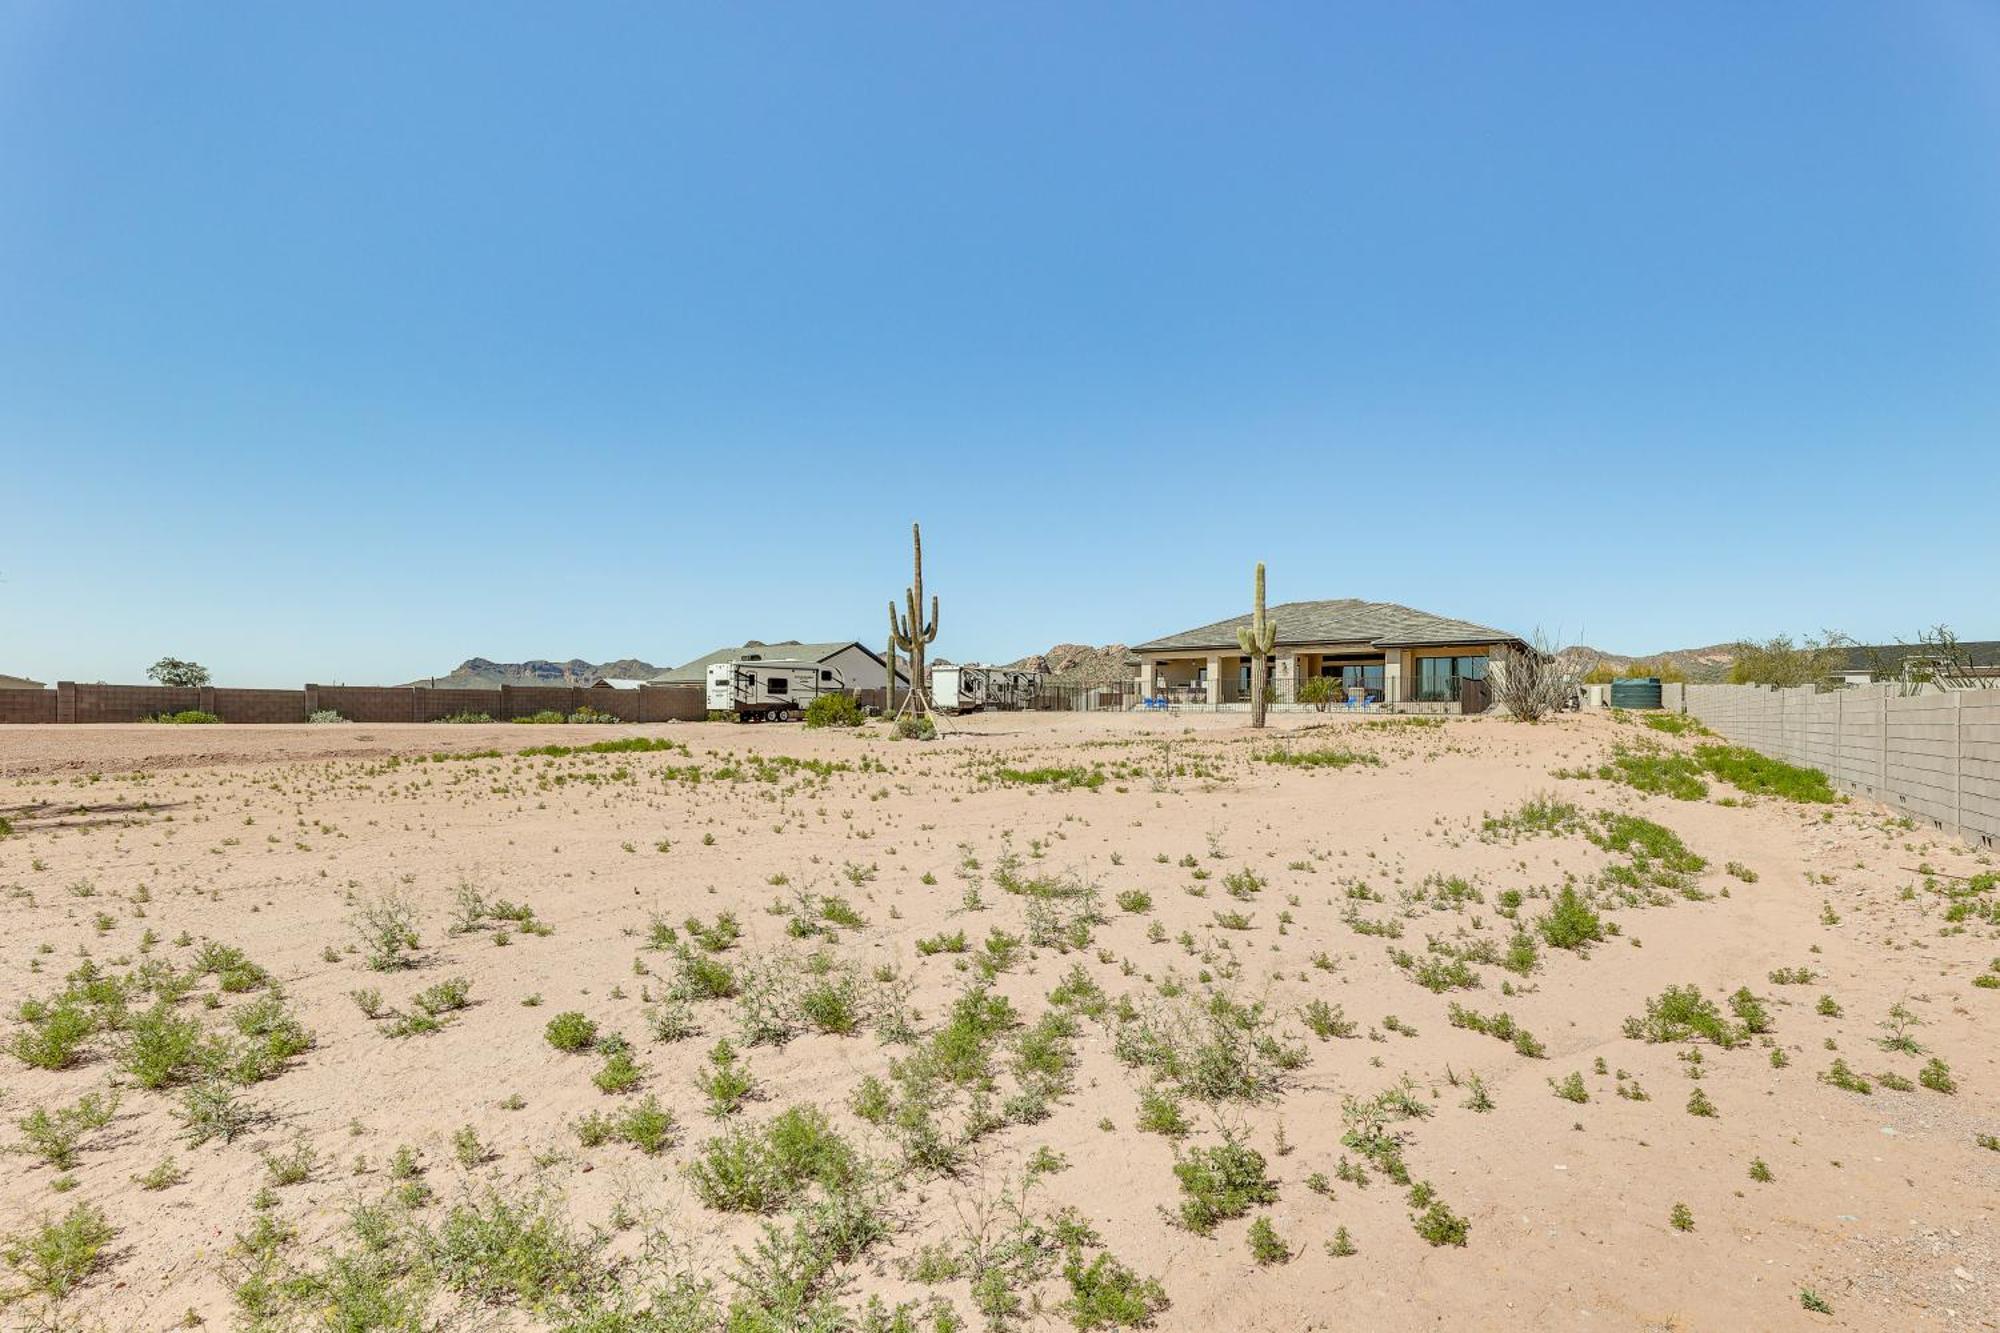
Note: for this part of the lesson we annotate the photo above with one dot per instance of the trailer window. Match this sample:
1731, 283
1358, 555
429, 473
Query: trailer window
774, 685
826, 675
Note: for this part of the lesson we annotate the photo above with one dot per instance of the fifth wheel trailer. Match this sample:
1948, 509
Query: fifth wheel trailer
766, 690
967, 687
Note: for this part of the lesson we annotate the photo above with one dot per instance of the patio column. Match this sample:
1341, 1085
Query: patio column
1285, 677
1214, 679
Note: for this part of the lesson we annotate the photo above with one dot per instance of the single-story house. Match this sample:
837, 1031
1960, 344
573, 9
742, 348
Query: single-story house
1393, 654
861, 667
19, 683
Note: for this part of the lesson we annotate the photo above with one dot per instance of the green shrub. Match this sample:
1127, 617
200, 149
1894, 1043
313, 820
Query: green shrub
186, 718
546, 717
1761, 775
1106, 1294
1439, 1225
1571, 922
1324, 757
760, 1169
915, 728
324, 717
55, 1136
54, 1037
466, 718
1682, 1013
834, 710
1266, 1246
1220, 1183
1062, 779
571, 1032
55, 1258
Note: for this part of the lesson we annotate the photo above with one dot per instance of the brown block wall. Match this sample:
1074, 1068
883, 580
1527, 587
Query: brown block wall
27, 706
133, 703
260, 705
672, 703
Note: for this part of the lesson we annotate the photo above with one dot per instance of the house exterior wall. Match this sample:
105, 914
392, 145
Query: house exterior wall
1158, 672
858, 669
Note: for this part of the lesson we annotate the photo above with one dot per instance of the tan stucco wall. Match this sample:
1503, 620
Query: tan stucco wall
1296, 662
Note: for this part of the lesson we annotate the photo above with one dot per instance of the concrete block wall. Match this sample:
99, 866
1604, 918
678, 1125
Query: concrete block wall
1936, 755
27, 706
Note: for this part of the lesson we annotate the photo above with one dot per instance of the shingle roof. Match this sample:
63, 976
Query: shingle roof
791, 650
1345, 620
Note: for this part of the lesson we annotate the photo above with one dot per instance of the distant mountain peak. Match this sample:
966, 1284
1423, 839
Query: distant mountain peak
485, 673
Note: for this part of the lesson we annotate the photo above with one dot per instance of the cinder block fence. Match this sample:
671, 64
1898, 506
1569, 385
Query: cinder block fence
1936, 756
73, 702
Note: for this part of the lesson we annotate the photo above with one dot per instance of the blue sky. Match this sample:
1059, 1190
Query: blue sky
342, 342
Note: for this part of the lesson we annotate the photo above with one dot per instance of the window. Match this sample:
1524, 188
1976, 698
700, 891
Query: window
1438, 678
1365, 678
825, 675
776, 684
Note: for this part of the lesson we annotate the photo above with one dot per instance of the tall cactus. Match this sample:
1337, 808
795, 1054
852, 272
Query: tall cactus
889, 697
1258, 639
911, 633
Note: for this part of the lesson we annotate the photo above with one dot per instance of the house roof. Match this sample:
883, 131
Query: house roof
789, 650
1345, 620
1889, 656
19, 683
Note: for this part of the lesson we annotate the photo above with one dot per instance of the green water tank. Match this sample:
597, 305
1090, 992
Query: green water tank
1636, 692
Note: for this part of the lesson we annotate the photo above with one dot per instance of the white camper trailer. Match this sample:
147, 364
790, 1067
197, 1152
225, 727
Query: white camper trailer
1011, 688
958, 687
967, 687
773, 691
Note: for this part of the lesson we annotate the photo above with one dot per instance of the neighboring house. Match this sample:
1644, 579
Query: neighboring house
19, 683
860, 666
1869, 662
1393, 653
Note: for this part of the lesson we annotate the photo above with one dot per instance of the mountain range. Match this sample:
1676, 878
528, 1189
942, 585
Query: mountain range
1078, 663
480, 673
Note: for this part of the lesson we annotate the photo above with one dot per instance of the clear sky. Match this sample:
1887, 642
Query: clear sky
345, 341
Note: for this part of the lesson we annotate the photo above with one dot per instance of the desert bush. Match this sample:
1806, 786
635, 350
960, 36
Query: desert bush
588, 716
760, 1169
916, 728
1533, 682
56, 1136
55, 1258
571, 1032
834, 710
1682, 1013
324, 717
1571, 922
1104, 1293
466, 718
1221, 1182
387, 928
1328, 756
188, 717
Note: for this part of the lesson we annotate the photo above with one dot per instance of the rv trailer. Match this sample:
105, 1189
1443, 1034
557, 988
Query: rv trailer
968, 687
756, 690
958, 687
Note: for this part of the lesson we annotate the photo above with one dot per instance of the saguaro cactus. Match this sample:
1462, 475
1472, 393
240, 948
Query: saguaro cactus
911, 633
1258, 639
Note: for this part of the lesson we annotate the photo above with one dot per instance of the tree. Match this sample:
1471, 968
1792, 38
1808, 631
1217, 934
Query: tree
173, 671
1257, 638
1780, 662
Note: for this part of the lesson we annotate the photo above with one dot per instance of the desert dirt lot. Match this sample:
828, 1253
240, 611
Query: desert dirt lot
1056, 1021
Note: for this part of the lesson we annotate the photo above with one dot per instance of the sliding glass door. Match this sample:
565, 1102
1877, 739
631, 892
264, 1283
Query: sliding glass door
1438, 677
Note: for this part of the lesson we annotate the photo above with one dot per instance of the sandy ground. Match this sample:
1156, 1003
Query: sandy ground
128, 840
